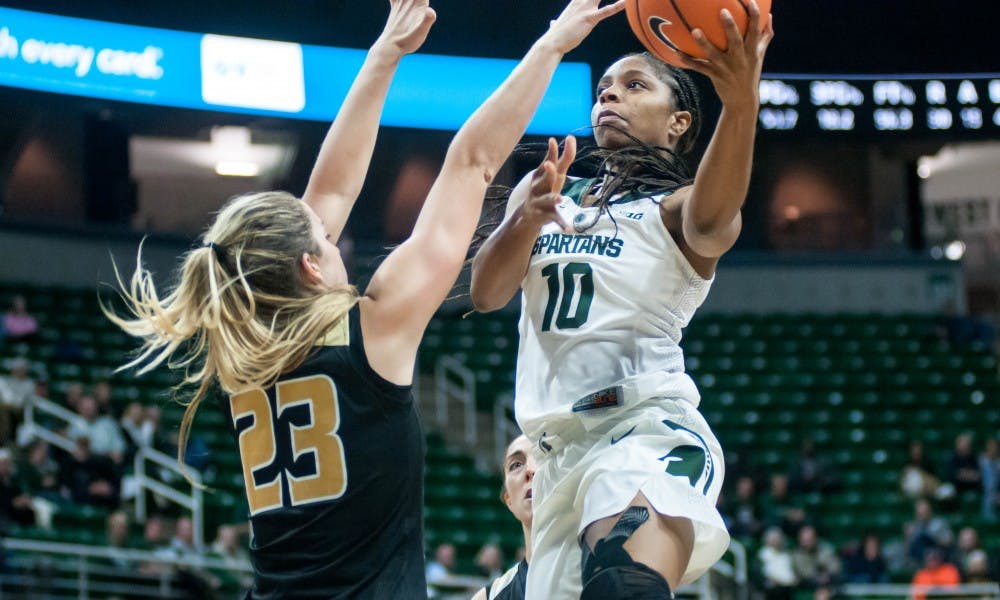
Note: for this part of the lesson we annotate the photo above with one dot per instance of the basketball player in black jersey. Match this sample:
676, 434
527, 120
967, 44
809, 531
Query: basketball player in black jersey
319, 376
518, 472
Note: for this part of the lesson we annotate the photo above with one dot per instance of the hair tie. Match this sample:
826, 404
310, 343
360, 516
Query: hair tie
220, 252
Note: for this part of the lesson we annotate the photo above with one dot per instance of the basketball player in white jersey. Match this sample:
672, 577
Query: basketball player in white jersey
611, 269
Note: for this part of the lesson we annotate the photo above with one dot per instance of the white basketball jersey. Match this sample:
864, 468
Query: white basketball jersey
601, 308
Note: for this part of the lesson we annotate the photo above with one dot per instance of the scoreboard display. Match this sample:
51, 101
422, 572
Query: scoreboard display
950, 105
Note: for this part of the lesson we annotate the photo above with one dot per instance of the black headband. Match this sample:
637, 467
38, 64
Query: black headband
220, 252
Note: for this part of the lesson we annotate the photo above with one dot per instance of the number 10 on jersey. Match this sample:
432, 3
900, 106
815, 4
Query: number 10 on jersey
572, 290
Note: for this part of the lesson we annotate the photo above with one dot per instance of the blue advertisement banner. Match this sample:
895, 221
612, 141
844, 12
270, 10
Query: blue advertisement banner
97, 59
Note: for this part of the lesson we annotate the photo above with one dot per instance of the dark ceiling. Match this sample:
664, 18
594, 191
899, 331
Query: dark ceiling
817, 36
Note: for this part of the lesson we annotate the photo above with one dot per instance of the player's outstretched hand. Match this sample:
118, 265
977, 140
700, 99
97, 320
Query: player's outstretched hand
407, 26
547, 182
735, 71
577, 20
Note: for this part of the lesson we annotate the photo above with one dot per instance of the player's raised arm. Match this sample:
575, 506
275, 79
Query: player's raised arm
410, 285
343, 160
711, 214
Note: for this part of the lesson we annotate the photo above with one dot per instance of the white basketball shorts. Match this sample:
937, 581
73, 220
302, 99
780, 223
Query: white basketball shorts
659, 446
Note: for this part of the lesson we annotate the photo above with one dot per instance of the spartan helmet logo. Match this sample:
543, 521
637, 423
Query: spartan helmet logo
690, 461
656, 25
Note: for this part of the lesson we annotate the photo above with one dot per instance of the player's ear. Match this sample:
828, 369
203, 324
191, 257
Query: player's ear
680, 122
310, 268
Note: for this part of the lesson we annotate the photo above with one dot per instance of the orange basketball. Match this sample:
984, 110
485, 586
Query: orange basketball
664, 26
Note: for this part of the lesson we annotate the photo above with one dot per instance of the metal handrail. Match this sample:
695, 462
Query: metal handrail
92, 578
31, 429
198, 561
504, 429
906, 590
741, 571
193, 501
465, 392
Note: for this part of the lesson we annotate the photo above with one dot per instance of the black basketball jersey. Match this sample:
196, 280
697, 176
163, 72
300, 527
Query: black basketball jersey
333, 464
510, 585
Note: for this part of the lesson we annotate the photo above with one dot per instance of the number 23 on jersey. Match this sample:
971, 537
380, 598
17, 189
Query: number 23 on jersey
304, 428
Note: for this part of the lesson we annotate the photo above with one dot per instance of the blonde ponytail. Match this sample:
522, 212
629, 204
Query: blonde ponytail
240, 308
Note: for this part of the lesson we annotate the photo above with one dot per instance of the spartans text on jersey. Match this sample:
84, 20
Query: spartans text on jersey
562, 243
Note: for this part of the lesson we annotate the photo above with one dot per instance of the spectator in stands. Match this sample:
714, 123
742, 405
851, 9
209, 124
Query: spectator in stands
183, 541
154, 533
41, 386
812, 473
927, 531
976, 568
778, 510
989, 468
816, 564
936, 572
443, 565
917, 479
73, 395
489, 561
897, 553
866, 564
131, 424
102, 394
968, 542
15, 391
101, 430
154, 539
18, 323
39, 472
152, 434
90, 478
777, 566
18, 386
776, 500
963, 467
518, 470
191, 581
742, 518
228, 548
15, 503
116, 538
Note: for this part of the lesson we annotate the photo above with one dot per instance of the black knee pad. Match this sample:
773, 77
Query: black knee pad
631, 582
608, 552
610, 573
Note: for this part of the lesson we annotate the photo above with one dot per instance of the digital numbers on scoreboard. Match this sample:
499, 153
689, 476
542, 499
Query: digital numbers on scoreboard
962, 104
